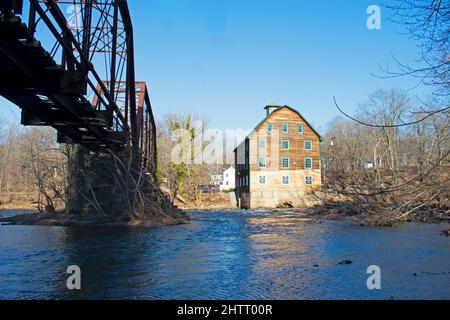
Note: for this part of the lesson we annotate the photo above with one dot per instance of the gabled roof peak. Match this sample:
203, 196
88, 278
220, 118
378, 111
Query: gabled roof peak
292, 109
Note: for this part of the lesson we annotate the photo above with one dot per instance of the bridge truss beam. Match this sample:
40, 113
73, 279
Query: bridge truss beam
81, 78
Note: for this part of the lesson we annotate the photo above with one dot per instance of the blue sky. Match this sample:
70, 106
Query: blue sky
226, 60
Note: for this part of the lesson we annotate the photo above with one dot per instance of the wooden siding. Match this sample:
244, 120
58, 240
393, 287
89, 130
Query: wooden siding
274, 153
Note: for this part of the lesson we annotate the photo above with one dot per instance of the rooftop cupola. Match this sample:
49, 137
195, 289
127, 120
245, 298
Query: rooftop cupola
271, 107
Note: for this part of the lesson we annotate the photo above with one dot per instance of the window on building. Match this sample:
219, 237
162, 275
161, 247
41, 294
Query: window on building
284, 163
308, 163
299, 128
246, 180
308, 180
261, 162
308, 145
269, 127
262, 179
284, 144
285, 180
285, 128
262, 144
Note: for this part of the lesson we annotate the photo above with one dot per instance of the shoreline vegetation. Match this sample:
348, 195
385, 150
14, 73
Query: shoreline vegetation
342, 211
91, 220
29, 215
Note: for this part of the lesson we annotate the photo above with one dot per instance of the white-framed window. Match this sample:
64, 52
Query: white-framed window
269, 128
285, 128
300, 128
285, 180
307, 145
262, 179
309, 180
308, 163
262, 144
262, 163
284, 144
285, 162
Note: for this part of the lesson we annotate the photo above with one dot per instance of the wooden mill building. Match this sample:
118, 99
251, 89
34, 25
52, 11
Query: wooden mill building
279, 161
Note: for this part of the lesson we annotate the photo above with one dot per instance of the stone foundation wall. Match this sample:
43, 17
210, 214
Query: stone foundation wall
285, 198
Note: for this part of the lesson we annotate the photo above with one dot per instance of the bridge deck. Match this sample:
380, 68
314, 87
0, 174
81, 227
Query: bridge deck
47, 94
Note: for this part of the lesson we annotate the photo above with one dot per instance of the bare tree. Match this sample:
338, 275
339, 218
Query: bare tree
423, 146
407, 171
5, 155
428, 23
48, 166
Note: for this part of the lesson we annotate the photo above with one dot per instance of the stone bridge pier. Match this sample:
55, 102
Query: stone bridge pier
113, 186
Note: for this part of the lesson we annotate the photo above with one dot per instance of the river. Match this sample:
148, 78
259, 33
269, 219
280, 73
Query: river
226, 255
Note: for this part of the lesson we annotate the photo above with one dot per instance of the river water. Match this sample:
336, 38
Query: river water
227, 255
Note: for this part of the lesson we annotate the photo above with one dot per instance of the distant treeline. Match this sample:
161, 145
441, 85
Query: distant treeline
32, 167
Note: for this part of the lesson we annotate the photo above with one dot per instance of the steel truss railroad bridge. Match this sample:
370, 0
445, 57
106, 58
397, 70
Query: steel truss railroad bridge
71, 66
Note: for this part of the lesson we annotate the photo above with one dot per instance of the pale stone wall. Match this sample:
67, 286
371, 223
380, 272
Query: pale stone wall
274, 192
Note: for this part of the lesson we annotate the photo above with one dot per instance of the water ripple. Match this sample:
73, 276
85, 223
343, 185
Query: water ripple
226, 255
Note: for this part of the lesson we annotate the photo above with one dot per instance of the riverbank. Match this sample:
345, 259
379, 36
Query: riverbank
208, 201
89, 220
340, 211
347, 211
20, 205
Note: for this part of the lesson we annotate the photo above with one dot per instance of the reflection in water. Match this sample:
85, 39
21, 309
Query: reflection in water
226, 255
285, 245
115, 260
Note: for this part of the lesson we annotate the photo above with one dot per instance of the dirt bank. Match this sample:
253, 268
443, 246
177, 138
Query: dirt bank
208, 201
347, 211
91, 220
